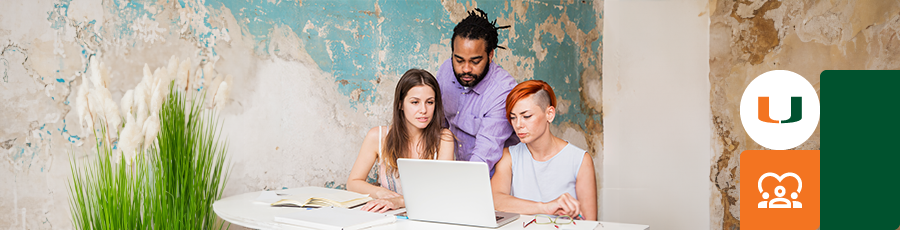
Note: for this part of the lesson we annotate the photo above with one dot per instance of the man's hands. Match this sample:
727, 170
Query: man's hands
565, 204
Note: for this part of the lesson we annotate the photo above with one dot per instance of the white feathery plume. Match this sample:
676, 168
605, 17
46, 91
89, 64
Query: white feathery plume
156, 100
81, 102
221, 96
184, 69
230, 84
164, 86
159, 98
97, 101
158, 75
128, 101
172, 68
96, 78
140, 103
96, 98
143, 112
125, 136
89, 120
101, 93
111, 113
206, 82
145, 84
140, 96
130, 138
157, 91
151, 128
99, 97
140, 106
194, 78
213, 88
104, 75
208, 75
148, 76
162, 81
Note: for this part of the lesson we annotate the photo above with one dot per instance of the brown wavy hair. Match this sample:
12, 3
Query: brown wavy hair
397, 140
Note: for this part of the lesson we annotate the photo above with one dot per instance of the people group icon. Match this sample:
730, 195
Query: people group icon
779, 201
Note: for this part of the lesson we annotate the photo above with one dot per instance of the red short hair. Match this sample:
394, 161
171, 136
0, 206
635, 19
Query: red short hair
525, 89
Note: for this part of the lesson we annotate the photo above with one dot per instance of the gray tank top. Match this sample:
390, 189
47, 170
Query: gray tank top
544, 181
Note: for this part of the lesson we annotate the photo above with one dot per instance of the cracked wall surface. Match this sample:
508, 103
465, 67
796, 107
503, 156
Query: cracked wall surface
751, 37
310, 77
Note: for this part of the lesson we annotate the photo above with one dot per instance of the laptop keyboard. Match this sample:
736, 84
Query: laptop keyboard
498, 217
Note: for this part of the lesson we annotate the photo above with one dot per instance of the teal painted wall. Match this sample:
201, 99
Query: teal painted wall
345, 37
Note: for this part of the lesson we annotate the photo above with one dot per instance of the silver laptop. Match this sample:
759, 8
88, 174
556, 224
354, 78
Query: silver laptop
453, 192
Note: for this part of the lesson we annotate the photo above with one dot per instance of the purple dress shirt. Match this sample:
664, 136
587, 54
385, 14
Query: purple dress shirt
477, 115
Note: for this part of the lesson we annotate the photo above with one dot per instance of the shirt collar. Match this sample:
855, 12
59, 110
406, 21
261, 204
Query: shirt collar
482, 86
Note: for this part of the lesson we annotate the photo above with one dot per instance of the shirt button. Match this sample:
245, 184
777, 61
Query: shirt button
457, 112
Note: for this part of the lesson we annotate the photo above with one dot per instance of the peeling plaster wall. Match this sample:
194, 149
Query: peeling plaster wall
656, 114
310, 78
748, 38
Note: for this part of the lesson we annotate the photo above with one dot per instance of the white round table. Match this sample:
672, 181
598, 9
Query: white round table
244, 210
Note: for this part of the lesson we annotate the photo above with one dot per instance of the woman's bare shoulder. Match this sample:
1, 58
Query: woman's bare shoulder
373, 132
446, 135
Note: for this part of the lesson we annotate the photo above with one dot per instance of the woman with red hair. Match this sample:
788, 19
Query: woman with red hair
543, 174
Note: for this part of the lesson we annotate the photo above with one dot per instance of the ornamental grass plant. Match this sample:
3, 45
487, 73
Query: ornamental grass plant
171, 184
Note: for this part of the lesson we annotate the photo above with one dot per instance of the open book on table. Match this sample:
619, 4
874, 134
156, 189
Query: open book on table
318, 202
313, 197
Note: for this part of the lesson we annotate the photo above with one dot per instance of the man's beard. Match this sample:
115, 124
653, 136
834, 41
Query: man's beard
475, 78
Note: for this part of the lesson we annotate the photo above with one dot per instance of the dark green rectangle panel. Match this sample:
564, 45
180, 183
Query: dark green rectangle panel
860, 149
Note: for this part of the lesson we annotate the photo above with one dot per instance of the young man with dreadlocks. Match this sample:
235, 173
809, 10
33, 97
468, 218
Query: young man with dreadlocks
474, 91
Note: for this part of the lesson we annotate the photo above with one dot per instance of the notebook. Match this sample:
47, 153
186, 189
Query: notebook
318, 202
313, 197
335, 219
453, 192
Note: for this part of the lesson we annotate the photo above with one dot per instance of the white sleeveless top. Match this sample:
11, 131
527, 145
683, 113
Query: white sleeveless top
544, 181
388, 181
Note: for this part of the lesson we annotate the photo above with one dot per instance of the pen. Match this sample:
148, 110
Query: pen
580, 217
402, 216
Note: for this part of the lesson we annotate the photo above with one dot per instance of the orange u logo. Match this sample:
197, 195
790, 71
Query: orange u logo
796, 110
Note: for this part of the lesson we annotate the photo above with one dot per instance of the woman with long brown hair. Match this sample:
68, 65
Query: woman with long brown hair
415, 132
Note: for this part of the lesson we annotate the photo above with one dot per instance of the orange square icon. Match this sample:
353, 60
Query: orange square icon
779, 189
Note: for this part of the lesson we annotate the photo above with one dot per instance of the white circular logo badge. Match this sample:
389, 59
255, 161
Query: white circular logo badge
780, 109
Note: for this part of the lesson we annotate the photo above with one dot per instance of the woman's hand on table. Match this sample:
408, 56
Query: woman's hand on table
381, 205
386, 194
565, 204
